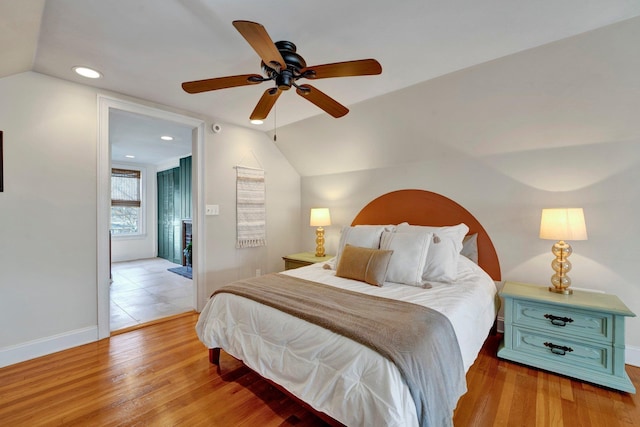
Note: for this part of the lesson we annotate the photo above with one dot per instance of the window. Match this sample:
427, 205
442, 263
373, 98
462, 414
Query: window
126, 202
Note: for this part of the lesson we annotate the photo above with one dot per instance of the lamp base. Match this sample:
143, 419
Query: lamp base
320, 242
564, 291
560, 282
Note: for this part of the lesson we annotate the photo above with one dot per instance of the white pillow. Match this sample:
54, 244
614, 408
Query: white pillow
364, 236
409, 256
444, 252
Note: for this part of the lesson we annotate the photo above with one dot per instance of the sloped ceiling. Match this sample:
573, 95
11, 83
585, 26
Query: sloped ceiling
579, 92
146, 49
19, 30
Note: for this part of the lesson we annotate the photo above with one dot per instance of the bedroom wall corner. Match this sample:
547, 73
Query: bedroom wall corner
238, 146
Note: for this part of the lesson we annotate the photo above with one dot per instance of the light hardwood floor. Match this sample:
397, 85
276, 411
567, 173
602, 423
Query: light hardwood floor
159, 375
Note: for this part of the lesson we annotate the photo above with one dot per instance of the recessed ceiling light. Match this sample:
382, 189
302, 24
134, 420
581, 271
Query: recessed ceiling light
129, 156
257, 122
87, 72
166, 138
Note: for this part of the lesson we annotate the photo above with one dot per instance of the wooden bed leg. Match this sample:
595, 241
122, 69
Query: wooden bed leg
214, 356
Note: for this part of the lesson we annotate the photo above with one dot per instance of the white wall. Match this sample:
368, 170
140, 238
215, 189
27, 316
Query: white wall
47, 209
550, 127
48, 212
127, 248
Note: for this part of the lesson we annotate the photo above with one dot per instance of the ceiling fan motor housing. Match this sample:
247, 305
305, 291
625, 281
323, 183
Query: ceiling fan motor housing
294, 63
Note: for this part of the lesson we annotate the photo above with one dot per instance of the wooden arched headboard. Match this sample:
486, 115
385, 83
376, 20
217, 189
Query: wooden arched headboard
419, 207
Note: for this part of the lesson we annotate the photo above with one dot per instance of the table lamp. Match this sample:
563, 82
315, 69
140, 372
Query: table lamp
319, 218
562, 224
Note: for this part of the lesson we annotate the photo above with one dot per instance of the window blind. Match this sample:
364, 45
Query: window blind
125, 187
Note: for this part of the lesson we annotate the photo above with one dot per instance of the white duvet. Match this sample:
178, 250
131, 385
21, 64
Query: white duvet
335, 375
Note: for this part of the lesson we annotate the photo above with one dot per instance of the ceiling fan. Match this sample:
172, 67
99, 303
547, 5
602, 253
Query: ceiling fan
285, 67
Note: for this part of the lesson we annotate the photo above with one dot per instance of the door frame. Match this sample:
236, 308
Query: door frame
103, 217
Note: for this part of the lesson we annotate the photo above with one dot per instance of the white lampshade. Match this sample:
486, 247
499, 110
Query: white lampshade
563, 224
320, 217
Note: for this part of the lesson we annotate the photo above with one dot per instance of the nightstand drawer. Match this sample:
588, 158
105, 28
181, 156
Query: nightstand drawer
290, 264
554, 349
303, 259
568, 321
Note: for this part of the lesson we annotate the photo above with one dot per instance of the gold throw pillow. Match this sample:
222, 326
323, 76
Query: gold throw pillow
364, 264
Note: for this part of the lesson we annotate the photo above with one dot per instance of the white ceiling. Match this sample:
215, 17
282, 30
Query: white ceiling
132, 134
148, 48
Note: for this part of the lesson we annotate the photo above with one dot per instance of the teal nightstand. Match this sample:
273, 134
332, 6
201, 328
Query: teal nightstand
579, 335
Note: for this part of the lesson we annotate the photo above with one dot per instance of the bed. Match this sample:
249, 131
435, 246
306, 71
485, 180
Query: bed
341, 377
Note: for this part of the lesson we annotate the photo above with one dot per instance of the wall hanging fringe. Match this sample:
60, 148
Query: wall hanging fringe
250, 208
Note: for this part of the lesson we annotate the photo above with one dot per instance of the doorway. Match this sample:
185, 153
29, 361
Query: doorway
106, 106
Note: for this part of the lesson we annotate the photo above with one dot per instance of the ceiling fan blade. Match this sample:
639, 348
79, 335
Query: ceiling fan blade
266, 103
361, 67
320, 99
198, 86
257, 36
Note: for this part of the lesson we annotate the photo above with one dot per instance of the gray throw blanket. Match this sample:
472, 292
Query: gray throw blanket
420, 341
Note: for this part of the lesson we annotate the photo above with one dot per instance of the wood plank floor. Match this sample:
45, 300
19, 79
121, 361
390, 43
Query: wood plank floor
159, 375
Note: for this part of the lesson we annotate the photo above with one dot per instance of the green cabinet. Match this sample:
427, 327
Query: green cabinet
579, 335
185, 178
174, 205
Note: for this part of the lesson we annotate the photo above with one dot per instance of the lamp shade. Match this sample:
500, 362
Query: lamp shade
563, 224
320, 217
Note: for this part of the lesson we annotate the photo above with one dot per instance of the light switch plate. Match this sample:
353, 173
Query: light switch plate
212, 210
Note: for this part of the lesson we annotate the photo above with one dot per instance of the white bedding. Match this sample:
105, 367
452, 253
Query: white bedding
335, 375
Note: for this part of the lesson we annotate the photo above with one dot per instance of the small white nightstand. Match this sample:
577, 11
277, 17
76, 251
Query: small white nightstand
579, 335
302, 259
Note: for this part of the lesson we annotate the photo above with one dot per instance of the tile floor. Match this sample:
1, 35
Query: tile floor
143, 290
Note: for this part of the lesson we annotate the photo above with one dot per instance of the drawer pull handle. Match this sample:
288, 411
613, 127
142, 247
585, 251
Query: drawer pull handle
557, 320
558, 349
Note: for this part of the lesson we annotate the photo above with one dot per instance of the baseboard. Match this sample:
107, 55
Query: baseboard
43, 346
632, 356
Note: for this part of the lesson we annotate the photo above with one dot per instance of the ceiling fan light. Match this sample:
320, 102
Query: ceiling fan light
166, 138
256, 122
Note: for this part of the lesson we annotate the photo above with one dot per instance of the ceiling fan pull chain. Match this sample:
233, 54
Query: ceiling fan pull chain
275, 124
